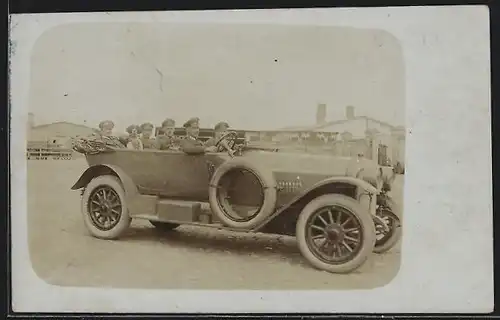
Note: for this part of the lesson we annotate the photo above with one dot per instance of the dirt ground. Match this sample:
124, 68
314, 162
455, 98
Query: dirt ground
63, 253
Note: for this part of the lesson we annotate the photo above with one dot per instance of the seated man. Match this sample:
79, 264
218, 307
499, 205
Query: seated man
106, 128
190, 144
166, 139
148, 142
105, 135
219, 130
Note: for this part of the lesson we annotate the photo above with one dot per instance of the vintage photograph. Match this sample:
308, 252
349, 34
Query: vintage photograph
274, 153
333, 160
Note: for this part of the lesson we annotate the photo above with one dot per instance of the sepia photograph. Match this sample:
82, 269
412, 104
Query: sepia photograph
192, 154
180, 145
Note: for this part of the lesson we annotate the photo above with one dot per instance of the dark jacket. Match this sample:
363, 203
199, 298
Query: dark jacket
193, 146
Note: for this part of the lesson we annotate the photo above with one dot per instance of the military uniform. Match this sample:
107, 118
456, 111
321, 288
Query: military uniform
221, 126
190, 144
167, 143
147, 141
164, 141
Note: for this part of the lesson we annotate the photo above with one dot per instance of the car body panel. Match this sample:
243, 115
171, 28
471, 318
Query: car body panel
174, 174
171, 174
149, 176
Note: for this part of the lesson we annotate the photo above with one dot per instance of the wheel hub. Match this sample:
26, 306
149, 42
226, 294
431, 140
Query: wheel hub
105, 208
334, 233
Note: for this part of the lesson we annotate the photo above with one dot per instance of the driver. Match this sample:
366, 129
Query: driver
220, 130
190, 144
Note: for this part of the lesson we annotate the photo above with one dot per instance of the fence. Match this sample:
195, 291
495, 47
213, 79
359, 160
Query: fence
46, 151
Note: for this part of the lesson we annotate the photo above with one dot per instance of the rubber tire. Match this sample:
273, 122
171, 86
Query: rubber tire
270, 194
396, 235
164, 226
125, 219
367, 227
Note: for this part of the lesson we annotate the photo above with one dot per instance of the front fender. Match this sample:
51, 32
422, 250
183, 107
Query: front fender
128, 184
277, 220
362, 184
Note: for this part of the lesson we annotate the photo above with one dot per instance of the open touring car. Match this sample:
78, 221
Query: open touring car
337, 208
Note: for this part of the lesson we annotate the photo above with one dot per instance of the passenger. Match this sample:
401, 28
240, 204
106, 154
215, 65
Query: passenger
219, 130
134, 141
106, 128
166, 139
148, 142
191, 144
105, 135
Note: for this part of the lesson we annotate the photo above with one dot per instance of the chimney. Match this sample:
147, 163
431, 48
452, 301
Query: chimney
31, 120
321, 113
349, 112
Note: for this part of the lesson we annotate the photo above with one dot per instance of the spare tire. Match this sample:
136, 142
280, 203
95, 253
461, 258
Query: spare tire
249, 186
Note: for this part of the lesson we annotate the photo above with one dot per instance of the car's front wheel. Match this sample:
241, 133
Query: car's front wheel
387, 238
163, 226
104, 209
335, 234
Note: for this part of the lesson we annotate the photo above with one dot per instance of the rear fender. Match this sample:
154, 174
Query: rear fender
283, 220
136, 202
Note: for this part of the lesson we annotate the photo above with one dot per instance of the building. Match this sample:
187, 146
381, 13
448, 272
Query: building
362, 134
57, 134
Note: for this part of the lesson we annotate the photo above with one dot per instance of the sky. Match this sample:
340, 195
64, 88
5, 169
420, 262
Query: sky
255, 77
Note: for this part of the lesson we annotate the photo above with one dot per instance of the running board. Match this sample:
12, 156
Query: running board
217, 225
181, 211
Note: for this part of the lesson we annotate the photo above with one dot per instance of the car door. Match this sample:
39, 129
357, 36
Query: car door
174, 174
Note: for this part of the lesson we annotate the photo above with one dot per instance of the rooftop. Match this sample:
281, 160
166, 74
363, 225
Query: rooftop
62, 122
349, 117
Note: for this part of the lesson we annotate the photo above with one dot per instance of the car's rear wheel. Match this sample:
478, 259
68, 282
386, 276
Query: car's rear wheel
164, 226
104, 208
335, 234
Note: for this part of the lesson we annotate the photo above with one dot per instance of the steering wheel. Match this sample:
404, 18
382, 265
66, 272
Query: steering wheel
230, 137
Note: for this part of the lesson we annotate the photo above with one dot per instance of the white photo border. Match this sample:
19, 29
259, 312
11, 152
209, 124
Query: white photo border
447, 247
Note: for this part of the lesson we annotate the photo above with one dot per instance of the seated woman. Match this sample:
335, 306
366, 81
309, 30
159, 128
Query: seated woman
134, 140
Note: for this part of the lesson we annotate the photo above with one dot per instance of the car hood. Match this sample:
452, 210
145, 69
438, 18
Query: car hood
312, 163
